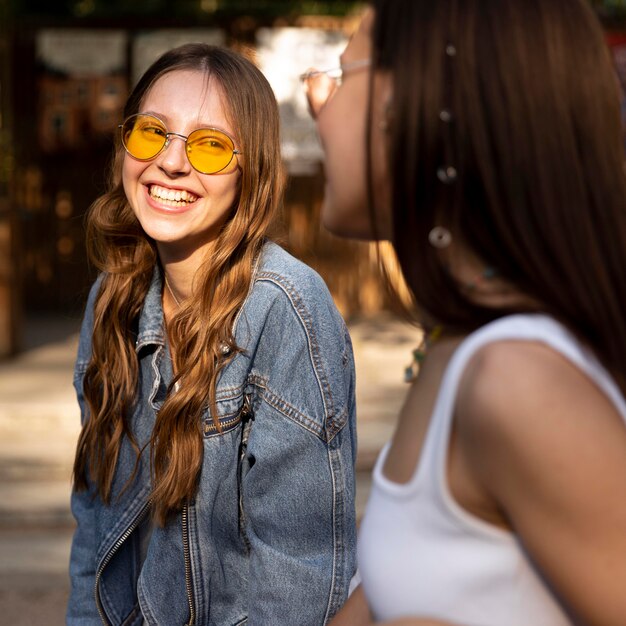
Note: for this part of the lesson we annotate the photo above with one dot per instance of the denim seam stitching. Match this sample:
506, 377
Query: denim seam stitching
305, 318
110, 606
336, 594
233, 392
144, 606
148, 338
286, 409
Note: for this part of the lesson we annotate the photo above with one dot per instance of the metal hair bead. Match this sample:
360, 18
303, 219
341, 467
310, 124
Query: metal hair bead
224, 349
451, 50
445, 115
447, 174
439, 237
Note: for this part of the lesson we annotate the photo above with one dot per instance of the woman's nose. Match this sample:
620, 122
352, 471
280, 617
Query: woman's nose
173, 160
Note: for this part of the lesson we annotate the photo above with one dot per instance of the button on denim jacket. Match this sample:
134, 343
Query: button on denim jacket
270, 536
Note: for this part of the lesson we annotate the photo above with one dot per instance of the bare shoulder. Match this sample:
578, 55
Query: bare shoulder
505, 380
522, 406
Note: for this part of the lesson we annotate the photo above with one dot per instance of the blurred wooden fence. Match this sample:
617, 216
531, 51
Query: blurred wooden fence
349, 268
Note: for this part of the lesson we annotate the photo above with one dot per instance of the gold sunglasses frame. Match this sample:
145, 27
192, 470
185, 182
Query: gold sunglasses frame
169, 134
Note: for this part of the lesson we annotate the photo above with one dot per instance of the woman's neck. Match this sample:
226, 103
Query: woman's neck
179, 273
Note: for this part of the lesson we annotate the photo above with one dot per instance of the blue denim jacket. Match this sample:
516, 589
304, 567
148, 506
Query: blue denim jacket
270, 535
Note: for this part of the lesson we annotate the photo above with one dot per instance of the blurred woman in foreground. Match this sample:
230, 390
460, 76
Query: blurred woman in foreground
484, 137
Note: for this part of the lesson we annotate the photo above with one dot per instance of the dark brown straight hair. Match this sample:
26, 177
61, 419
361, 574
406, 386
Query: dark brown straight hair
536, 140
118, 247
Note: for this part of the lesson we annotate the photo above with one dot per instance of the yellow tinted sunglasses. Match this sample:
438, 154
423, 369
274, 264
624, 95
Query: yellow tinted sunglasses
209, 150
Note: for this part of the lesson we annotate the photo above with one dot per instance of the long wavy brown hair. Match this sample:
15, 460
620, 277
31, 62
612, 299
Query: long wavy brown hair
533, 128
126, 256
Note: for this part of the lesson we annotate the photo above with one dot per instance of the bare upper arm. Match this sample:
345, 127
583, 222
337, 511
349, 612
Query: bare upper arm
550, 449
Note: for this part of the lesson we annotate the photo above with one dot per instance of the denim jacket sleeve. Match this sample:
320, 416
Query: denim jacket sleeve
298, 472
81, 608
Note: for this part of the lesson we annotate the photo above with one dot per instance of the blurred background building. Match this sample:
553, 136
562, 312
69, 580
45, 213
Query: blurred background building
65, 70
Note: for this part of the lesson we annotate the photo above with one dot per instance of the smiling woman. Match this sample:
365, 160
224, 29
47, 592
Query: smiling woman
214, 475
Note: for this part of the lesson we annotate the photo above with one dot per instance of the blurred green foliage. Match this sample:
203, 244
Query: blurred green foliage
611, 12
179, 8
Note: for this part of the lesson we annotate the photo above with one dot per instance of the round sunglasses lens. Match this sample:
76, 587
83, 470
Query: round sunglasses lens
209, 150
143, 136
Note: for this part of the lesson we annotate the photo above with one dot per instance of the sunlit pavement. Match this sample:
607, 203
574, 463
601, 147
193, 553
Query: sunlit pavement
38, 428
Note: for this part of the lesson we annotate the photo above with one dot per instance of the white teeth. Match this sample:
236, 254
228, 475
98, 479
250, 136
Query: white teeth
171, 197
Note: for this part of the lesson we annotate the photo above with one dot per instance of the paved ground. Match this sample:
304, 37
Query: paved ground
38, 428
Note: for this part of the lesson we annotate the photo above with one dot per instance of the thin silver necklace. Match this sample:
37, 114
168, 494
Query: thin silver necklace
224, 347
167, 284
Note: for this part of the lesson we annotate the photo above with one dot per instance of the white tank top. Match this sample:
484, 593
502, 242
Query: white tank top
421, 554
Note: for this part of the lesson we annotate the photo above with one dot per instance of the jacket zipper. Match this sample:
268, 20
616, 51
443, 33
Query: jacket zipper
186, 553
210, 427
109, 556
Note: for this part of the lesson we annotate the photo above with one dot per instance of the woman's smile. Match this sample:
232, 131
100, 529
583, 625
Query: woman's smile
170, 200
171, 197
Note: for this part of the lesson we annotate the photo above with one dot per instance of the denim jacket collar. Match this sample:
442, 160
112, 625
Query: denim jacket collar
151, 321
